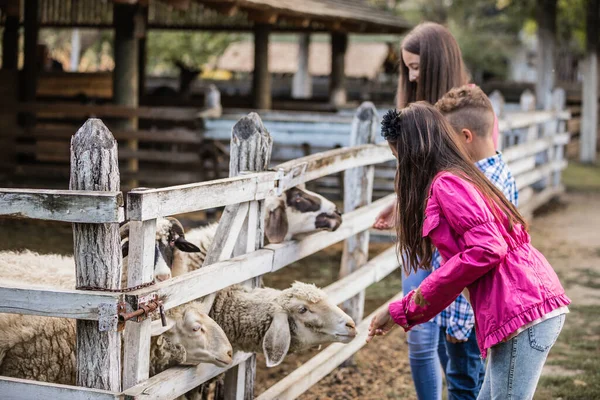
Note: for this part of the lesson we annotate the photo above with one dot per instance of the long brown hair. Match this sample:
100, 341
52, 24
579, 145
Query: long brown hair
441, 66
425, 144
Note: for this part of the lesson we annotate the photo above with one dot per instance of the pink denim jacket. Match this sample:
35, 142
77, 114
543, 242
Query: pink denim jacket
510, 283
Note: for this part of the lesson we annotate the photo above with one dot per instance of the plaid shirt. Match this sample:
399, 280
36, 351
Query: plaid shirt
458, 318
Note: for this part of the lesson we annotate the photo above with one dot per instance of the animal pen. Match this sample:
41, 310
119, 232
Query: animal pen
533, 147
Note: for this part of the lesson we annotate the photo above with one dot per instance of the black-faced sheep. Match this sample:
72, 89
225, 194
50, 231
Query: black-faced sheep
296, 212
278, 322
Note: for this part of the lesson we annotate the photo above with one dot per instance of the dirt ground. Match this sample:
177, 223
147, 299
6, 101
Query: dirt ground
567, 233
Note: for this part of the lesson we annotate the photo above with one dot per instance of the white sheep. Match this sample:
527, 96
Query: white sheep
278, 322
43, 348
296, 212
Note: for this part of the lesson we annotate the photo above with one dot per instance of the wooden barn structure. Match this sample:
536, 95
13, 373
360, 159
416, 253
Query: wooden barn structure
23, 138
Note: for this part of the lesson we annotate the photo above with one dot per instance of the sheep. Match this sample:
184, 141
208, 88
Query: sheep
169, 236
278, 322
43, 348
296, 212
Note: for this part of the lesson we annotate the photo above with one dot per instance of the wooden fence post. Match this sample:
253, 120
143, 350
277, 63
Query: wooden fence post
250, 151
497, 101
97, 253
559, 103
140, 269
358, 191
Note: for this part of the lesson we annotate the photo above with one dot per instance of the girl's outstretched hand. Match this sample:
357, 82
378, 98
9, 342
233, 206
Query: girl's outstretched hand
386, 218
381, 324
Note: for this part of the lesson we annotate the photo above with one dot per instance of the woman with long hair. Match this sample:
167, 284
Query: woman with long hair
446, 202
431, 65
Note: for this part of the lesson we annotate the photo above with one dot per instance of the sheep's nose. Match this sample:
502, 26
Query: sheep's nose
163, 277
351, 325
230, 353
338, 212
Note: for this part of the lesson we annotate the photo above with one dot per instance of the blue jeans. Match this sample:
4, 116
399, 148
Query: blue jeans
430, 353
514, 367
425, 349
465, 369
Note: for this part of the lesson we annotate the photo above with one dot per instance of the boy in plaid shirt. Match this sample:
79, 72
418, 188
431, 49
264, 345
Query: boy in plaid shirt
470, 113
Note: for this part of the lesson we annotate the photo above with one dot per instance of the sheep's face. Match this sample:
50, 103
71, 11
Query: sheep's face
316, 319
169, 235
204, 341
298, 211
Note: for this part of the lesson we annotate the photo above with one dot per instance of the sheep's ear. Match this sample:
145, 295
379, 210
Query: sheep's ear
276, 226
277, 340
186, 246
156, 327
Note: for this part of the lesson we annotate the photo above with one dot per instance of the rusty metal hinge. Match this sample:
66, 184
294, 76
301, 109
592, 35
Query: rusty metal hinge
113, 316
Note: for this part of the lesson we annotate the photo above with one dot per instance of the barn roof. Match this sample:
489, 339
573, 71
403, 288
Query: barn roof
354, 16
363, 60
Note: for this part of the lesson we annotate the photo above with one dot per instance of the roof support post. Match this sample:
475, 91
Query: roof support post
261, 80
337, 80
302, 83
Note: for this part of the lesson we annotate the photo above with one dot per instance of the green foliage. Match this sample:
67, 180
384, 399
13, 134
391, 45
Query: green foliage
486, 30
193, 49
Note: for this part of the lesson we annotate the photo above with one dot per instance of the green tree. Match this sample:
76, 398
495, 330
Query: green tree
193, 49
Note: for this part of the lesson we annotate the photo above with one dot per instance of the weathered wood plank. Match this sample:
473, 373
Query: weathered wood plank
206, 280
97, 254
70, 110
15, 298
311, 372
330, 162
358, 192
62, 205
530, 148
535, 175
250, 151
140, 270
353, 223
178, 380
153, 203
23, 389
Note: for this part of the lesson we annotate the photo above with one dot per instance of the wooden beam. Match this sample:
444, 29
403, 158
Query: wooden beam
337, 79
97, 254
14, 388
358, 192
153, 203
546, 11
261, 78
62, 205
263, 17
273, 257
178, 380
140, 270
29, 75
589, 115
10, 37
18, 299
128, 21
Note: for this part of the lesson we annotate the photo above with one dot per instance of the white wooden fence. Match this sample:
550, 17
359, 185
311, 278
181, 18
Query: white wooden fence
95, 207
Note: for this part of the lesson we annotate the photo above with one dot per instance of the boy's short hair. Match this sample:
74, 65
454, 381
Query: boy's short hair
467, 107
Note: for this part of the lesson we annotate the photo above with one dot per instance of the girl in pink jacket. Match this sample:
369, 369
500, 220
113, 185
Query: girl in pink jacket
446, 202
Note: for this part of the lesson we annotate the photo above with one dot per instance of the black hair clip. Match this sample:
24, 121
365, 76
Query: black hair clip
390, 124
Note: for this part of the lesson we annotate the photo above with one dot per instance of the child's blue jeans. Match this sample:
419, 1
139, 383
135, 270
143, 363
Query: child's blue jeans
429, 354
514, 367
